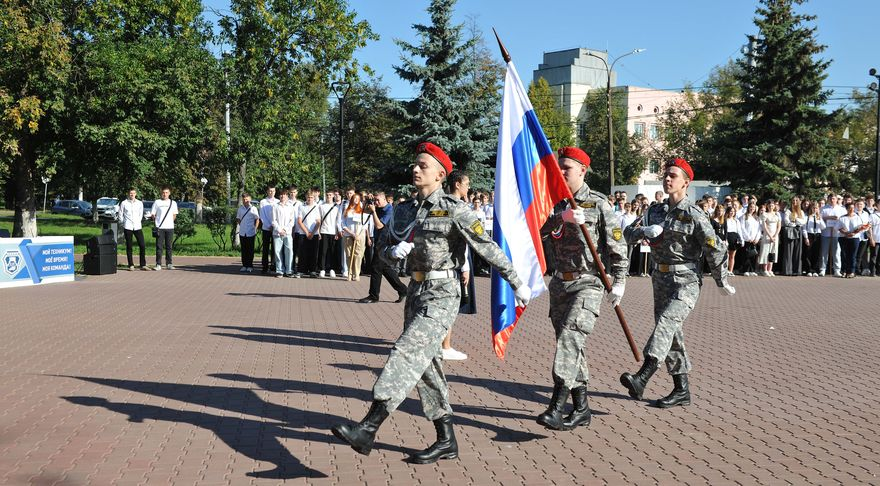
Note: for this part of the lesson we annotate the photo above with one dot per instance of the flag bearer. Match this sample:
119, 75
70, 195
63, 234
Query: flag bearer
432, 232
680, 234
576, 288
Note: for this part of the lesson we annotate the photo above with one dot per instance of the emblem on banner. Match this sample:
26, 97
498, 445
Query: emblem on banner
12, 262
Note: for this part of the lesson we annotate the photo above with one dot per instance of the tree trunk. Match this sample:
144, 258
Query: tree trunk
23, 170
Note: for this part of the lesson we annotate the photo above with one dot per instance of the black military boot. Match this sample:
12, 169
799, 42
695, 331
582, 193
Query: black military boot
362, 435
552, 417
445, 448
681, 394
636, 383
581, 414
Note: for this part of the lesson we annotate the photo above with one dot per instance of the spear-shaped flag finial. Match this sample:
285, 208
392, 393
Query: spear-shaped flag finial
504, 53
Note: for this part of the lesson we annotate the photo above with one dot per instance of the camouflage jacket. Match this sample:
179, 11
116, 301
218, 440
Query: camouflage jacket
687, 236
440, 228
570, 247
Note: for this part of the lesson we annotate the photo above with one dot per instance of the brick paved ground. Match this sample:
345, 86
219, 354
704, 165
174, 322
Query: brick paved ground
205, 376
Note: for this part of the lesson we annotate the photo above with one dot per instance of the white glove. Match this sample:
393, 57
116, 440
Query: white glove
616, 294
727, 289
523, 295
575, 216
401, 250
652, 231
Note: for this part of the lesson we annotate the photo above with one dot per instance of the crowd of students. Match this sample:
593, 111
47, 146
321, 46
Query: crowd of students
836, 235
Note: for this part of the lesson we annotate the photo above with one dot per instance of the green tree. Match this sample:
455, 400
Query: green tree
458, 99
34, 61
778, 142
556, 123
629, 158
858, 164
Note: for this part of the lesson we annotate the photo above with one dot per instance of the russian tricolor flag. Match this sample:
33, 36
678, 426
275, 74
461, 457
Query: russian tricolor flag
528, 183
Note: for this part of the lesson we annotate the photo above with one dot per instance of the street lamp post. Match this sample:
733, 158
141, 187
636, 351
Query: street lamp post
45, 180
341, 89
608, 70
874, 87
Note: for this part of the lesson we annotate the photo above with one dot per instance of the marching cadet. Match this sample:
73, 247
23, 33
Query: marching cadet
432, 232
576, 288
680, 234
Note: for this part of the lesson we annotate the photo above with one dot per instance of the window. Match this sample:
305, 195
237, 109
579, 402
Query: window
654, 132
639, 129
653, 166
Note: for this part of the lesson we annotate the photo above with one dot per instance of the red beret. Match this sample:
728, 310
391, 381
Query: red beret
683, 165
576, 154
436, 152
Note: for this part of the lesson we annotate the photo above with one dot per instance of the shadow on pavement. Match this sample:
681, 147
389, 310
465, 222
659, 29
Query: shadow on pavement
322, 298
317, 343
307, 334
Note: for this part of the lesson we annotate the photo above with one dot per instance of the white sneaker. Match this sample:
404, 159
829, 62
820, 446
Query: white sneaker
344, 274
332, 274
838, 274
820, 274
453, 355
242, 269
169, 267
250, 270
321, 274
158, 267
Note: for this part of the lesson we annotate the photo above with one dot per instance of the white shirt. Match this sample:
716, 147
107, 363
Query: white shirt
247, 217
733, 226
329, 218
266, 205
489, 211
297, 204
796, 221
831, 225
310, 216
815, 224
850, 223
131, 214
874, 219
283, 218
160, 209
866, 219
627, 219
355, 222
751, 228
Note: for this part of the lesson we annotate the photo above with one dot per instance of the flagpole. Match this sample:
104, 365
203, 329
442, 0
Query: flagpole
606, 282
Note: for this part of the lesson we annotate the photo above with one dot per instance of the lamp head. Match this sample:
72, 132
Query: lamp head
204, 180
872, 86
872, 72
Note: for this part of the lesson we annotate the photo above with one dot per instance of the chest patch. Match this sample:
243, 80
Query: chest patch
587, 205
477, 228
617, 234
684, 218
438, 213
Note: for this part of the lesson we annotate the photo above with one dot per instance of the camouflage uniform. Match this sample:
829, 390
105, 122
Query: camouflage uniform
443, 227
576, 290
687, 236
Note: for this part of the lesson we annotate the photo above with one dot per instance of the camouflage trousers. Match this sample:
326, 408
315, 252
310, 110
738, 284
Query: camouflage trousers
415, 361
674, 299
574, 307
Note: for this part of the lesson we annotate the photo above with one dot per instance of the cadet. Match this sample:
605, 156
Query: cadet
576, 288
680, 235
432, 231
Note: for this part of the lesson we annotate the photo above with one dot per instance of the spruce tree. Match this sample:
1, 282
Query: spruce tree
556, 123
457, 104
778, 144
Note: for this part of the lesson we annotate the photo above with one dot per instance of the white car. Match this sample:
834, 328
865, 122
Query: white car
106, 207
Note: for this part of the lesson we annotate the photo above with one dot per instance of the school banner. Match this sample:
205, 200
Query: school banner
35, 261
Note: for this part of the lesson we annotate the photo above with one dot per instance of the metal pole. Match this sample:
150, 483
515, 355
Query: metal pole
342, 142
877, 151
45, 190
610, 133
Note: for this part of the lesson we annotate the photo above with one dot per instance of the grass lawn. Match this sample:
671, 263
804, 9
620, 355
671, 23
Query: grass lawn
81, 230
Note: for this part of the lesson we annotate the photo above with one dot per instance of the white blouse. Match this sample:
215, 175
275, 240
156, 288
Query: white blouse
751, 229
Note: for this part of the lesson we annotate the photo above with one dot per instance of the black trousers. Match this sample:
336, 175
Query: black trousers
872, 262
791, 255
165, 239
812, 252
139, 235
849, 248
268, 251
326, 261
307, 253
247, 250
381, 269
862, 257
748, 262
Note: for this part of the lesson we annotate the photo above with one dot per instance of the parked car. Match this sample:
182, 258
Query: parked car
107, 207
72, 206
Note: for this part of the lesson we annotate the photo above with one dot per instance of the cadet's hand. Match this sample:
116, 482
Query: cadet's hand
523, 295
575, 216
616, 294
726, 289
652, 231
401, 250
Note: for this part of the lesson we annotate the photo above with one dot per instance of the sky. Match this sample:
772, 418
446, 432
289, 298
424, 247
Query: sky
684, 39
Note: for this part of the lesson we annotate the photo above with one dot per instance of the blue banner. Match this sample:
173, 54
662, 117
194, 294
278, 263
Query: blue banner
34, 261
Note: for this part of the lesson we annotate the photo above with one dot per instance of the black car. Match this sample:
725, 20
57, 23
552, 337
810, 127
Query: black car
74, 207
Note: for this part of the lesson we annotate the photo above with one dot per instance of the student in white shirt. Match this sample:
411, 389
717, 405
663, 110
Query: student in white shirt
751, 233
283, 220
163, 214
308, 222
862, 254
349, 193
793, 221
733, 234
131, 215
328, 234
354, 223
292, 193
830, 214
266, 205
248, 219
850, 226
873, 262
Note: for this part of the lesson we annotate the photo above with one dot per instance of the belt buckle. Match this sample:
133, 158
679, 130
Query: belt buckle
569, 276
418, 276
663, 267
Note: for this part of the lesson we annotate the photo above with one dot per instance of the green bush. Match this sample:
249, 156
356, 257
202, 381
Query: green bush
184, 226
217, 221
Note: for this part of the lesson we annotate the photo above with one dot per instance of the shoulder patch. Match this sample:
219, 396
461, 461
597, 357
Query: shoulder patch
477, 228
710, 242
617, 234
